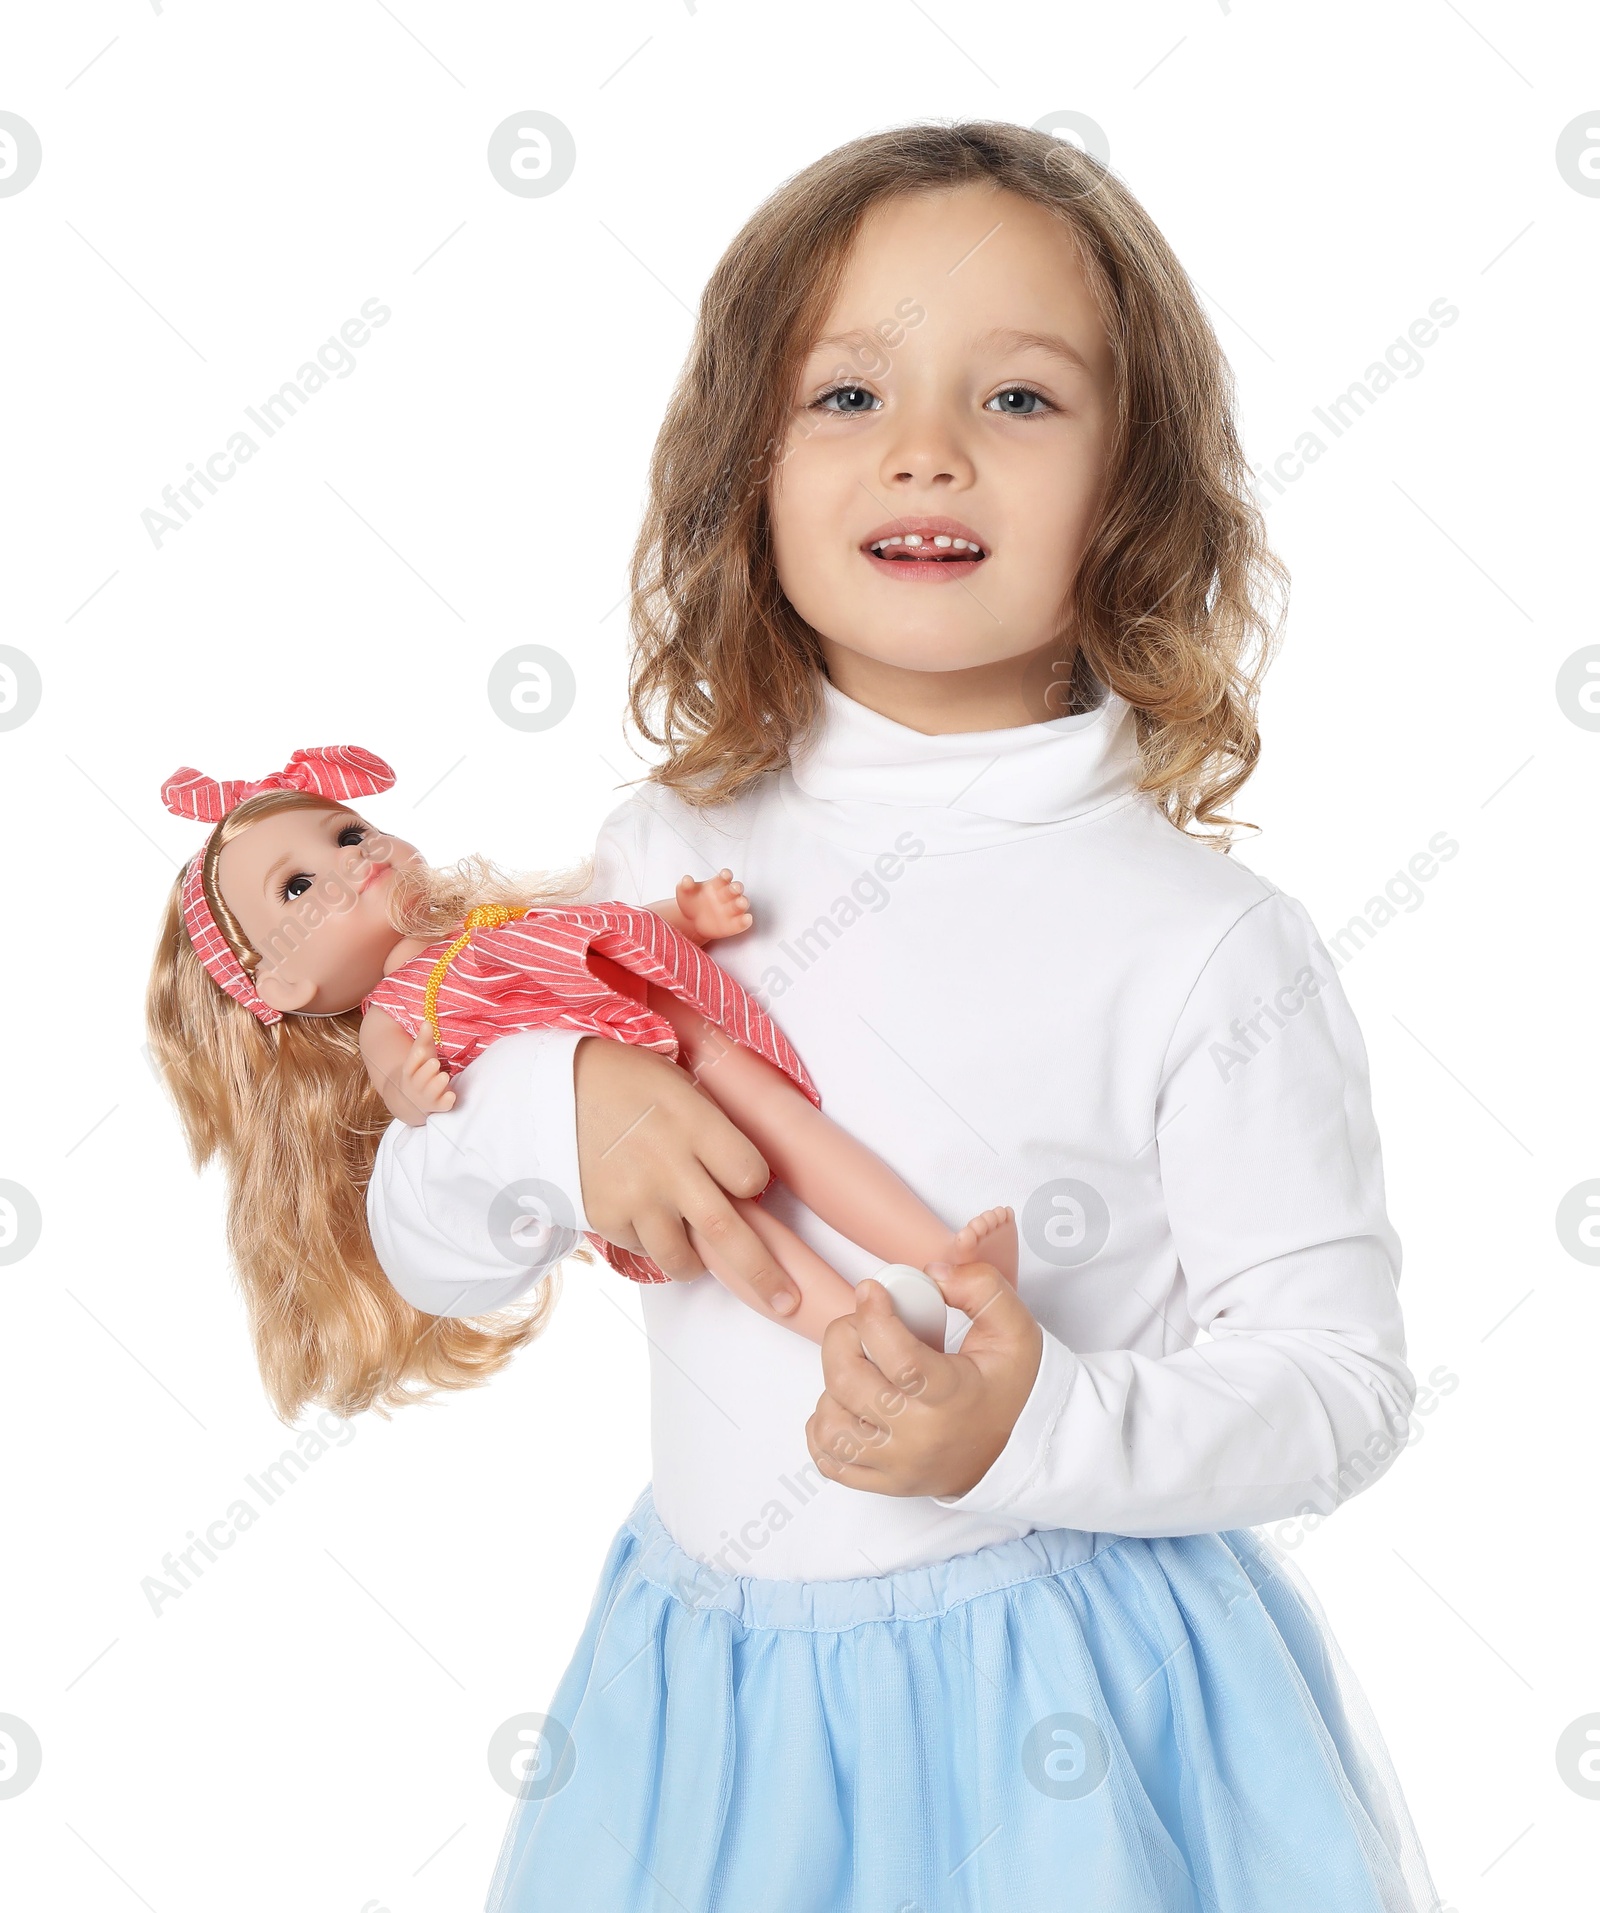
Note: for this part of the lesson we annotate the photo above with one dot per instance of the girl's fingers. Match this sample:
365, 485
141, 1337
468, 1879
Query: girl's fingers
664, 1239
717, 1231
856, 1475
853, 1379
900, 1358
730, 1158
842, 1453
640, 1183
743, 1259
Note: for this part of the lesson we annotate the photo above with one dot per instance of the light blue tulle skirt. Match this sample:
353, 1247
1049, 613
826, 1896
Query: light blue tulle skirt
1065, 1720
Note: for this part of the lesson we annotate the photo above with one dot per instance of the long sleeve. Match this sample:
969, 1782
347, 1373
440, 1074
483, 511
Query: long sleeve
1272, 1176
471, 1208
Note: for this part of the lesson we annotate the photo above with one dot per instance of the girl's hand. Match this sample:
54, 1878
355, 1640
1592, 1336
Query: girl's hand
654, 1152
716, 908
898, 1418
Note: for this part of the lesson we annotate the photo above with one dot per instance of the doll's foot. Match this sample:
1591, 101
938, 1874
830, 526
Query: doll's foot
992, 1238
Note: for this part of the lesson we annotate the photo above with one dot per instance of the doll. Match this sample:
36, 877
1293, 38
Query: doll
299, 910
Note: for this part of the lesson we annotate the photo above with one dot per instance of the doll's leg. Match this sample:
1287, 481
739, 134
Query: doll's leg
838, 1177
824, 1293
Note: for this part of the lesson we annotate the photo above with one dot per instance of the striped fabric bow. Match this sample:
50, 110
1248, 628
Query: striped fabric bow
339, 771
335, 771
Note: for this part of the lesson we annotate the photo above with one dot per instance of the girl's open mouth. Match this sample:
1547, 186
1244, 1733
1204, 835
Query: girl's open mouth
925, 550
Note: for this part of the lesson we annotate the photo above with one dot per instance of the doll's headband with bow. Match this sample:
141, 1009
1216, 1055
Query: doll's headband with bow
337, 771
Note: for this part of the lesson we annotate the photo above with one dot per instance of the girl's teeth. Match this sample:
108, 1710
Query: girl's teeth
914, 540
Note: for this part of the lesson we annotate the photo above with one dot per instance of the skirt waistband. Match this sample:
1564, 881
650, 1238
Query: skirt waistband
908, 1594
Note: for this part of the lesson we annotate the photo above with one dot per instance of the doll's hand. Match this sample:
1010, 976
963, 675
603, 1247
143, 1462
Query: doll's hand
899, 1418
420, 1088
716, 908
407, 1074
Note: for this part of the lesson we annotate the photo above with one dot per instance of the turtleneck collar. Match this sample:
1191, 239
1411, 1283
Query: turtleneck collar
860, 776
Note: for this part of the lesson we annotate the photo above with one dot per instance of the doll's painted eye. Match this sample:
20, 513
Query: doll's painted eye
296, 887
351, 835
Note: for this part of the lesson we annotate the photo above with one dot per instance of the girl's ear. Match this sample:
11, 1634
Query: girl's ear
279, 992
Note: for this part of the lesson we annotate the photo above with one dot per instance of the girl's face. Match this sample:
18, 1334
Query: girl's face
961, 391
309, 888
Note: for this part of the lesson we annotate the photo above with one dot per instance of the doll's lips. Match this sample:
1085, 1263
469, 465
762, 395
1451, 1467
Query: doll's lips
375, 875
925, 550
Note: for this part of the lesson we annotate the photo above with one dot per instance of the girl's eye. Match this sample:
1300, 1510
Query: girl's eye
351, 835
1021, 392
296, 887
820, 403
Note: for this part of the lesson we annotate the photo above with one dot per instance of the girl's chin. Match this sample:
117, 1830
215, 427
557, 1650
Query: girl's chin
925, 650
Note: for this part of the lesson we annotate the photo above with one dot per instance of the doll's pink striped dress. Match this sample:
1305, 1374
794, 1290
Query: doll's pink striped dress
582, 967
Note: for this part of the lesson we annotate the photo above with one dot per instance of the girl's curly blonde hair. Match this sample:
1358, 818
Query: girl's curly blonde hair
1178, 600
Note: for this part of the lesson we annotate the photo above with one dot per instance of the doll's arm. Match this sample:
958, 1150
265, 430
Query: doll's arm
702, 912
407, 1074
836, 1176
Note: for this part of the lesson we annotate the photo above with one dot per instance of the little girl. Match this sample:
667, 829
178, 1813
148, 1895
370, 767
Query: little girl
295, 907
950, 620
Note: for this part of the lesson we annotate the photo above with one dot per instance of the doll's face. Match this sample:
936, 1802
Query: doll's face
964, 376
310, 889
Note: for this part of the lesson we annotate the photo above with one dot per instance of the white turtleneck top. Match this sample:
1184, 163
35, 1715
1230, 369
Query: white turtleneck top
1015, 980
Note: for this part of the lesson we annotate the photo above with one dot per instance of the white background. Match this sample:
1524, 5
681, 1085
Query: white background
222, 187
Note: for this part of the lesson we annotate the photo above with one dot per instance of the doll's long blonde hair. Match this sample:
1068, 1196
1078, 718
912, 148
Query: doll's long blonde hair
291, 1113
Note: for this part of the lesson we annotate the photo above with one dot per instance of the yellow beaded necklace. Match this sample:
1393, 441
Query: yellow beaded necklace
484, 916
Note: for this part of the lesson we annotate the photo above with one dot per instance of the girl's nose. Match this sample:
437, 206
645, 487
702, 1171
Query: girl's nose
927, 450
